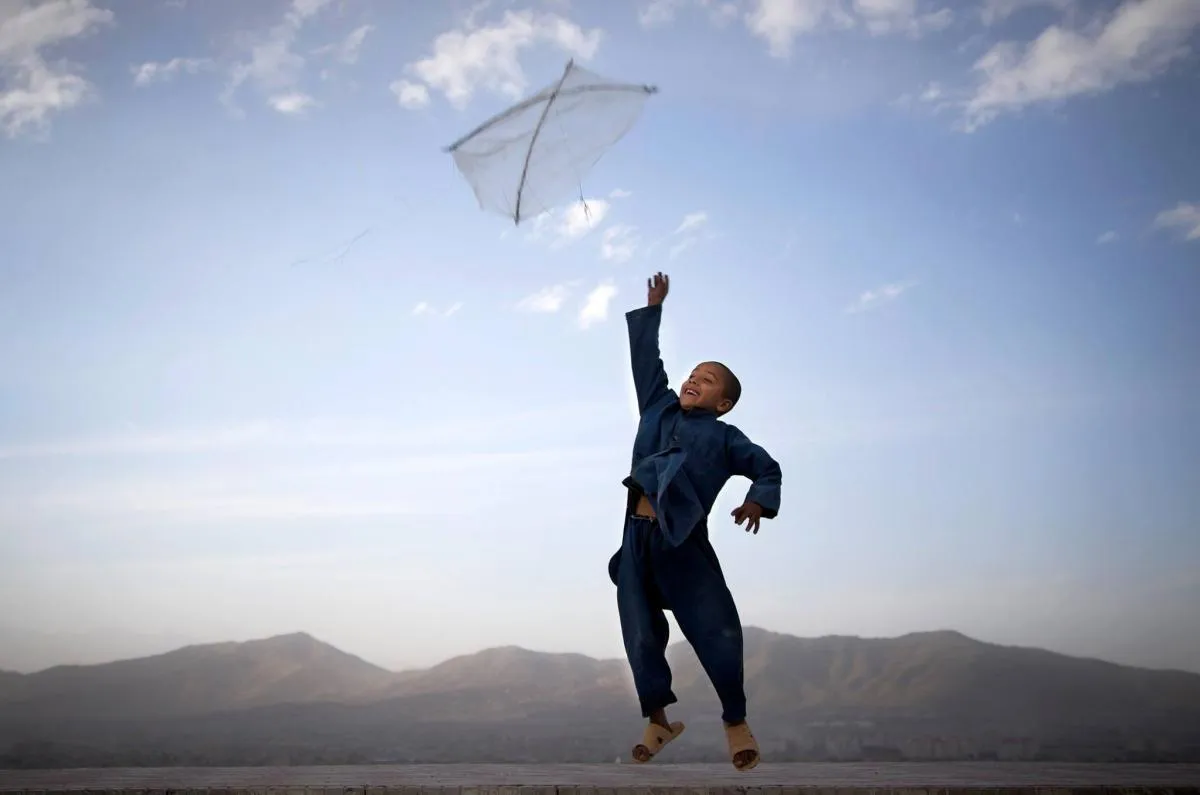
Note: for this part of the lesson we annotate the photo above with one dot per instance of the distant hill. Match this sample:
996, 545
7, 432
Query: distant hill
289, 669
294, 699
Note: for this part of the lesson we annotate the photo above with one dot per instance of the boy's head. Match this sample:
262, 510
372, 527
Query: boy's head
711, 386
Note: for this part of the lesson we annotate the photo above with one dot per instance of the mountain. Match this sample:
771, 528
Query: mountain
945, 674
26, 650
289, 669
293, 699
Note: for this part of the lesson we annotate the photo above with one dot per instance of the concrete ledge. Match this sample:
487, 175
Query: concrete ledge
976, 778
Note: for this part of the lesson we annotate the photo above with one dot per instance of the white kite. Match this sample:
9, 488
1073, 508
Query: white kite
529, 158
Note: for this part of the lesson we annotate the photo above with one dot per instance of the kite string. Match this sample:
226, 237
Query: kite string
587, 211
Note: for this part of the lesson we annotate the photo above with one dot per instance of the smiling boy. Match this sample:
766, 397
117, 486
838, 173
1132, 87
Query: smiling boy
683, 455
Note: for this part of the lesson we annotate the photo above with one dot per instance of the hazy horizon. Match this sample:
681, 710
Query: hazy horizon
266, 367
25, 651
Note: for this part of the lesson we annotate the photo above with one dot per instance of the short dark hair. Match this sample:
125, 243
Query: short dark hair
733, 387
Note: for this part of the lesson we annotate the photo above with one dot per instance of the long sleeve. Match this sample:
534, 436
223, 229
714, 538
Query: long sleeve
649, 375
751, 461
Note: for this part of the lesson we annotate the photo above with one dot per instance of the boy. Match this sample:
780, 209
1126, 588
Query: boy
682, 457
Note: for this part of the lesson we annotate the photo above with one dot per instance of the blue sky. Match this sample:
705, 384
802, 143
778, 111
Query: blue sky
265, 365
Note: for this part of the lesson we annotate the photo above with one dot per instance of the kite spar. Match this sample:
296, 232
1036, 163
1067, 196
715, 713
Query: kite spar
529, 158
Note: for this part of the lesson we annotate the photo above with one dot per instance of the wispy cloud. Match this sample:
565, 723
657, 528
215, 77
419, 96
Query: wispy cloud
565, 225
548, 299
297, 487
293, 103
411, 96
273, 65
880, 296
313, 433
33, 89
1138, 41
657, 13
424, 309
1183, 217
162, 72
692, 221
780, 22
347, 50
994, 11
619, 193
1108, 237
595, 306
473, 57
619, 243
690, 232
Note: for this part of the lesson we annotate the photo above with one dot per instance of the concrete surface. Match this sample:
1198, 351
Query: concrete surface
614, 779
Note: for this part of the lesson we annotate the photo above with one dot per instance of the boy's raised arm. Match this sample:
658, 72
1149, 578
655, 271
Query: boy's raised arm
649, 375
751, 461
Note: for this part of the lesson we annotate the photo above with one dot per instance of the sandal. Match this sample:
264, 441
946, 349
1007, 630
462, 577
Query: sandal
655, 739
741, 741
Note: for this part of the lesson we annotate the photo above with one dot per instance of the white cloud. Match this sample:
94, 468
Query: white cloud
569, 223
548, 299
582, 217
348, 48
692, 221
411, 96
884, 17
424, 308
690, 227
1184, 217
994, 11
163, 71
273, 66
1107, 237
680, 247
779, 22
31, 88
471, 58
619, 243
619, 193
873, 299
595, 306
1139, 41
659, 12
292, 103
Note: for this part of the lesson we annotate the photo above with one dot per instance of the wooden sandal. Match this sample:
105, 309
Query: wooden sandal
655, 739
741, 740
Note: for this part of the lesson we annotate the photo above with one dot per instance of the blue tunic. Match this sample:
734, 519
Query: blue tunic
682, 459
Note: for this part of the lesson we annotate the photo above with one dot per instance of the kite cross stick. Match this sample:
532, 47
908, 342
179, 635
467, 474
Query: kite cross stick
515, 169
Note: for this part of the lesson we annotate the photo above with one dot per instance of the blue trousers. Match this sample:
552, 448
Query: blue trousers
653, 576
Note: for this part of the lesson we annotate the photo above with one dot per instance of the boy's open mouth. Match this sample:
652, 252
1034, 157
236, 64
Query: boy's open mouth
687, 390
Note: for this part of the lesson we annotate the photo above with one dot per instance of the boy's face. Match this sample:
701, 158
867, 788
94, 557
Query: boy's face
705, 389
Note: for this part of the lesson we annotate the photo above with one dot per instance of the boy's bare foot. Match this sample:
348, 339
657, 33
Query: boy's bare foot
659, 732
743, 748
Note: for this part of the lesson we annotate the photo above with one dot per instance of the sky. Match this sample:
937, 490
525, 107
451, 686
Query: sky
266, 364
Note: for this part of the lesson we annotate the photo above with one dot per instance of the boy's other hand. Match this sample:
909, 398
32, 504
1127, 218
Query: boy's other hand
750, 513
657, 287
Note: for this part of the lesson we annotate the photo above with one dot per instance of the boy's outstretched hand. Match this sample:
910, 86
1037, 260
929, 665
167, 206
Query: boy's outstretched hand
657, 287
750, 513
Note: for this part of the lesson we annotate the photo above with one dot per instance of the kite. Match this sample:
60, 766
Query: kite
527, 159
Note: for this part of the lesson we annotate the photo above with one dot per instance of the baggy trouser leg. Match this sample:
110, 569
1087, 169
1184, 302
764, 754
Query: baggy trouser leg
690, 578
644, 626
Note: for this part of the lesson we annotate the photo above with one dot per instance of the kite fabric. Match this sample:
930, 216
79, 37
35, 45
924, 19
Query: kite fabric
531, 157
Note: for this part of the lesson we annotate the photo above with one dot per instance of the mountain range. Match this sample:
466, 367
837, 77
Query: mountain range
292, 699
